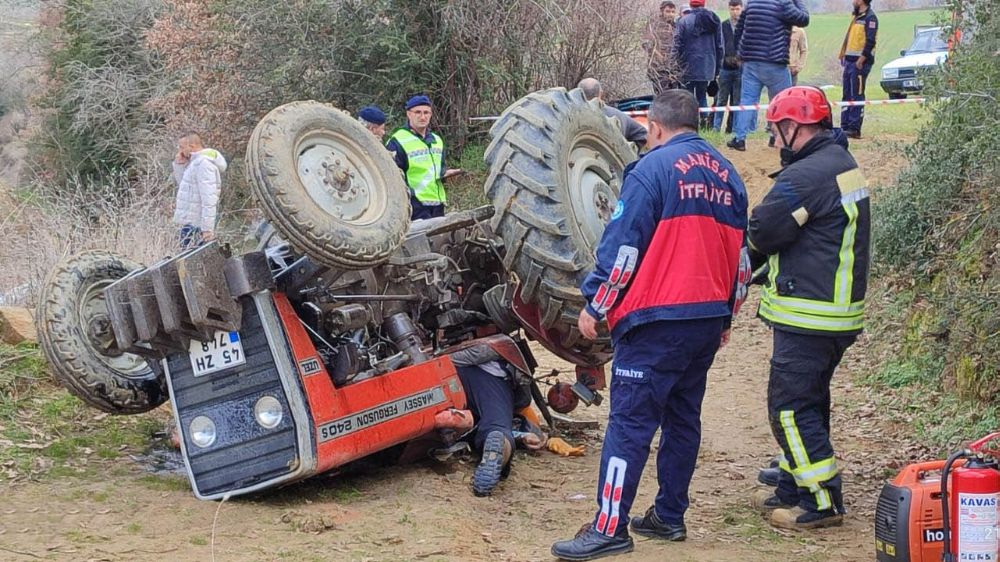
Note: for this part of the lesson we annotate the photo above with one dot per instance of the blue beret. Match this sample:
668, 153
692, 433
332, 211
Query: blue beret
417, 100
372, 114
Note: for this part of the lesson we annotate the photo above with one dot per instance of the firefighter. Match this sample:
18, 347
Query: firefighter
857, 55
813, 230
666, 281
420, 154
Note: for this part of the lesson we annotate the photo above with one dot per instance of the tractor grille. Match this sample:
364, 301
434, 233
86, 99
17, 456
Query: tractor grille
244, 453
907, 72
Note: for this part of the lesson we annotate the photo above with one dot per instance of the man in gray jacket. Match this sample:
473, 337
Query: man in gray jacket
198, 173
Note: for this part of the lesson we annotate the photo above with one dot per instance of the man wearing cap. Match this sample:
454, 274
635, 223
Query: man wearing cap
373, 119
420, 154
813, 229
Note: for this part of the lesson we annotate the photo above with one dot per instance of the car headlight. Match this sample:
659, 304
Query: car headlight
889, 73
202, 431
268, 412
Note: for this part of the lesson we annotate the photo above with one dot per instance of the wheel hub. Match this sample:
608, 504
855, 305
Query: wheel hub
334, 181
93, 315
594, 187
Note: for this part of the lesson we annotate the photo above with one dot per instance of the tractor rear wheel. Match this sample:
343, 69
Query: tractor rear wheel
74, 332
327, 185
556, 167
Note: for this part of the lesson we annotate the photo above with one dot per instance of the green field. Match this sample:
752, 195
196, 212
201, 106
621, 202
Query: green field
826, 34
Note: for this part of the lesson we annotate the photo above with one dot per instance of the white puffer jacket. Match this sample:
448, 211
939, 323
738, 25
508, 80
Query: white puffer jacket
198, 187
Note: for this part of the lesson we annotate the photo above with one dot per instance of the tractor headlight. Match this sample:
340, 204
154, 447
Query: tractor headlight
890, 73
268, 412
202, 431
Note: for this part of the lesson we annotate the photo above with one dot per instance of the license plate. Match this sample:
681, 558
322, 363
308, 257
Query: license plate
909, 83
223, 352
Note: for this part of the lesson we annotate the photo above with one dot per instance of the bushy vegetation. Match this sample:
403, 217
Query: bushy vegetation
937, 233
128, 75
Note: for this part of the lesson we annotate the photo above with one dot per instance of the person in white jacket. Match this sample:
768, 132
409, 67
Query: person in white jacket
198, 173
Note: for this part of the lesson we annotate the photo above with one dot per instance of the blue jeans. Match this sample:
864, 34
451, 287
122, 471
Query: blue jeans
190, 237
756, 76
657, 382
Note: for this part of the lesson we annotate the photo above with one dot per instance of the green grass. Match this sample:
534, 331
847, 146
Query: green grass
825, 34
46, 432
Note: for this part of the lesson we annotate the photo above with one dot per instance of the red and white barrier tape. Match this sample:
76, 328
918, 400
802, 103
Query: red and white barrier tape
754, 107
760, 106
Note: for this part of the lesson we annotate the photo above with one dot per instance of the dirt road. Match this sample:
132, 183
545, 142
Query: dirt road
427, 512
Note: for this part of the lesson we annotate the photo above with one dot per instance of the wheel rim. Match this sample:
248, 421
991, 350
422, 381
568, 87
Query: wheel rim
93, 315
594, 185
338, 177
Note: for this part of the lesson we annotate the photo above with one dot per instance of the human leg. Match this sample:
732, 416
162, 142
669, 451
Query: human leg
796, 390
850, 115
750, 90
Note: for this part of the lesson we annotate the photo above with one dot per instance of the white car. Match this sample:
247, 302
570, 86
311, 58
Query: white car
927, 53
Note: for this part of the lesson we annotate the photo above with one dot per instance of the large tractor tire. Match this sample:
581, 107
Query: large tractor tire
74, 332
556, 166
327, 185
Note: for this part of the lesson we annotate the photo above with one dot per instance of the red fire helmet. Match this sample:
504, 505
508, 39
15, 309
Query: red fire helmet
804, 105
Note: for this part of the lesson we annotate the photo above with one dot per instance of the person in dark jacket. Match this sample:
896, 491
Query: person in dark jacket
730, 75
857, 55
631, 129
698, 50
813, 228
762, 38
668, 278
658, 42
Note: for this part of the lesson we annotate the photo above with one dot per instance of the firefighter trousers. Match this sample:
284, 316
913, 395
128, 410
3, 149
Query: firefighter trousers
798, 404
658, 382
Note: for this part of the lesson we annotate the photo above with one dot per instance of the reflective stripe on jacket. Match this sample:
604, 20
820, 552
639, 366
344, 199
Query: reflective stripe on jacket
814, 226
424, 164
674, 248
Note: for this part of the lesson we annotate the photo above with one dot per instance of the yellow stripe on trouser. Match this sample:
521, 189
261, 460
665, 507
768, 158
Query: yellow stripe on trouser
807, 474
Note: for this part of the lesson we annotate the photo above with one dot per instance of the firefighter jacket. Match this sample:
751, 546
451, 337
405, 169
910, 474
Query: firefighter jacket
675, 243
860, 38
814, 227
422, 163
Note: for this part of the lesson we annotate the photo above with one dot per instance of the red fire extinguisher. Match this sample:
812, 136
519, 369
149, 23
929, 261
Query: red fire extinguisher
970, 511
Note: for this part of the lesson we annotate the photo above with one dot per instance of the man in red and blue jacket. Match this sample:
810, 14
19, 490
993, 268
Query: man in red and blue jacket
671, 271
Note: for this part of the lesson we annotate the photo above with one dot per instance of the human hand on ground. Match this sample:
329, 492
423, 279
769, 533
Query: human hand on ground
587, 325
207, 236
450, 173
535, 442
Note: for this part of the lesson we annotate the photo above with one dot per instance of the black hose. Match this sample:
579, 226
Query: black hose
946, 556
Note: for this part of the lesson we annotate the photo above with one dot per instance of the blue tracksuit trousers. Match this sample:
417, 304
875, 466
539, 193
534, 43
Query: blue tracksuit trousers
854, 82
658, 382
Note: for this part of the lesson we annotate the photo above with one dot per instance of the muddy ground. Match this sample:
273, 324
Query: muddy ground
427, 511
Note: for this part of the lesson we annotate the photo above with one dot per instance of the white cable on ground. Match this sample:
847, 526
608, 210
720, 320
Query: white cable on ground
216, 520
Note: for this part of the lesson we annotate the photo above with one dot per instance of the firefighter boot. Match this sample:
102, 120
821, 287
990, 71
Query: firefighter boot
766, 501
591, 545
769, 476
797, 518
650, 525
494, 464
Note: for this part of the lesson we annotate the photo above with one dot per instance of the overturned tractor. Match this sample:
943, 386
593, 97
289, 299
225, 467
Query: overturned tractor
333, 340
